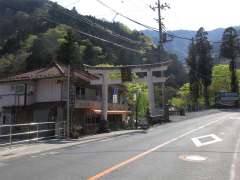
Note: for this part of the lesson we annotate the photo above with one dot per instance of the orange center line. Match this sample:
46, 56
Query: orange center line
110, 170
128, 161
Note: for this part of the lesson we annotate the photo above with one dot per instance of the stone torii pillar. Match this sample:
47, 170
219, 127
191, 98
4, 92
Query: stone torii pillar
151, 95
104, 81
104, 106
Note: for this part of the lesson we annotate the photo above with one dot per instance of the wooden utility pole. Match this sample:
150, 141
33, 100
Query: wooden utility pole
68, 101
161, 49
162, 40
160, 27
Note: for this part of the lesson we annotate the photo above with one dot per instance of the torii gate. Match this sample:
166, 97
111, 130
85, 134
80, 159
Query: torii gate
150, 79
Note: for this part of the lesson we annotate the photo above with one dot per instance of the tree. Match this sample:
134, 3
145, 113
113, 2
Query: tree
221, 78
69, 51
43, 48
230, 50
183, 98
193, 73
205, 62
134, 88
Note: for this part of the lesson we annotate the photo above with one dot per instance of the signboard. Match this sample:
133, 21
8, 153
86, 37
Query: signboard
229, 96
226, 98
20, 89
115, 95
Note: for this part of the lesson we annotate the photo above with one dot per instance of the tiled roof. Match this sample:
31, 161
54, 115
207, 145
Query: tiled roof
56, 70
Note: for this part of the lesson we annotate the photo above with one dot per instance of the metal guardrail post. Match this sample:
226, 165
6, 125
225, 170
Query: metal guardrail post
59, 129
37, 132
10, 137
64, 128
27, 133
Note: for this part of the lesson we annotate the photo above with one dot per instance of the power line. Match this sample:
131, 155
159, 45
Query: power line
189, 39
102, 28
126, 17
144, 25
147, 26
87, 34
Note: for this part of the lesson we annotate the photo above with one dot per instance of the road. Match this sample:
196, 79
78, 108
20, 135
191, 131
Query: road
169, 152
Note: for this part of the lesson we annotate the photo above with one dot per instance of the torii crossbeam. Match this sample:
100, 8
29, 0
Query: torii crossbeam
150, 79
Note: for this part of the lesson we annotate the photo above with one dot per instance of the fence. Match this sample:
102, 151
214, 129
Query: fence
21, 133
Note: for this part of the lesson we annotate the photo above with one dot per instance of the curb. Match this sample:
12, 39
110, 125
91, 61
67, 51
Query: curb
25, 150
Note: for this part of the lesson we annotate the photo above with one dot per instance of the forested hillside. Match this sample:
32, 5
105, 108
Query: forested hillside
180, 46
33, 34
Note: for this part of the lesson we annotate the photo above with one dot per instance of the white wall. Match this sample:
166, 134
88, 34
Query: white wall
6, 99
48, 90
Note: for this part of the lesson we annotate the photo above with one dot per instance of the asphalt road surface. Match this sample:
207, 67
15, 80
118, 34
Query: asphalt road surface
202, 148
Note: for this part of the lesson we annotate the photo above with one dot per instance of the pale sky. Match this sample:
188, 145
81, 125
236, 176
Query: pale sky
184, 14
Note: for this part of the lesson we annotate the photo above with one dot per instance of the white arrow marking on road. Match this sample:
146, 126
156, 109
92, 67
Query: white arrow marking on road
197, 140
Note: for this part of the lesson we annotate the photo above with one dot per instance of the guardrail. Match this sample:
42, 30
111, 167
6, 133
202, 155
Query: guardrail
20, 133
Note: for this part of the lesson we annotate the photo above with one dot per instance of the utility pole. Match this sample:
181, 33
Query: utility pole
160, 27
68, 102
162, 40
161, 49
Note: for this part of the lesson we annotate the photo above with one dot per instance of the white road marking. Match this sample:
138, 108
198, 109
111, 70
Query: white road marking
49, 153
235, 118
234, 161
105, 140
34, 156
141, 155
198, 143
193, 158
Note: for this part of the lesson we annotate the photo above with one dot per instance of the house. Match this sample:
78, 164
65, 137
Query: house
42, 95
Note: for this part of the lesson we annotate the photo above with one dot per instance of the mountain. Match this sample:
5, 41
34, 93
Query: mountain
180, 46
31, 32
35, 33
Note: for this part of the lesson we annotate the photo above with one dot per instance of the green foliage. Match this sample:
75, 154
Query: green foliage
230, 49
43, 50
230, 46
221, 81
221, 78
139, 90
183, 97
34, 33
113, 75
69, 51
28, 43
200, 62
193, 73
10, 64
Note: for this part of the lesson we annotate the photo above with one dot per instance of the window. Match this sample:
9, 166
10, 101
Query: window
77, 92
80, 92
4, 119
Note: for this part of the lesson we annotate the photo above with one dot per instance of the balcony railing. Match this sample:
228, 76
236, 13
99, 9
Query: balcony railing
97, 105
